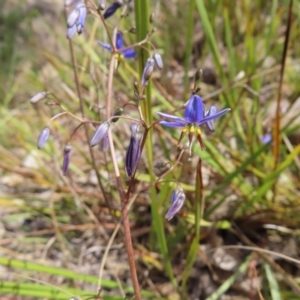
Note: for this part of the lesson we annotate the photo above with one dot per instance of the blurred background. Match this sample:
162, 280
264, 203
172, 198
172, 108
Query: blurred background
60, 235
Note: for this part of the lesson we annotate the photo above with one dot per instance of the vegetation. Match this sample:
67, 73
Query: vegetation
100, 232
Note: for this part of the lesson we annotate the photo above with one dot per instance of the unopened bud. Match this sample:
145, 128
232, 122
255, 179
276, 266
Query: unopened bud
177, 201
158, 60
133, 152
119, 112
71, 31
70, 2
99, 134
43, 138
152, 17
66, 161
148, 70
112, 9
38, 97
102, 4
198, 74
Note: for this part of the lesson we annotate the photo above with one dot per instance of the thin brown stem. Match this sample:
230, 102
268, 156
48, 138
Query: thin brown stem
126, 225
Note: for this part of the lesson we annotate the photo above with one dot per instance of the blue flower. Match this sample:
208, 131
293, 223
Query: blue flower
127, 53
194, 116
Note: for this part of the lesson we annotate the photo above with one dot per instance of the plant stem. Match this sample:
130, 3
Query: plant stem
126, 225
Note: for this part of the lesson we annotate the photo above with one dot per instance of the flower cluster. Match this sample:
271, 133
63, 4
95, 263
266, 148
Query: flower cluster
195, 114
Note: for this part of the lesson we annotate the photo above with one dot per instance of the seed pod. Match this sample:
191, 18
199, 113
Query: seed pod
43, 137
148, 70
112, 9
66, 161
133, 152
119, 112
177, 201
38, 97
100, 133
158, 60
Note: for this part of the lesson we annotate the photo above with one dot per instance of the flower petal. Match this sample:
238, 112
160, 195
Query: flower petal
194, 111
172, 117
66, 160
211, 112
119, 40
129, 53
99, 134
172, 124
105, 46
217, 115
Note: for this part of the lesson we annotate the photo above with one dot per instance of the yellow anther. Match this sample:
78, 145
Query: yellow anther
198, 131
184, 129
192, 129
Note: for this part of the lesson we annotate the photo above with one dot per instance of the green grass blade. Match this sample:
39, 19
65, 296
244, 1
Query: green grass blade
274, 288
229, 282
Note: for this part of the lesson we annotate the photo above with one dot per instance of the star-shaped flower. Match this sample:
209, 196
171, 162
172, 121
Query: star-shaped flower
127, 53
194, 116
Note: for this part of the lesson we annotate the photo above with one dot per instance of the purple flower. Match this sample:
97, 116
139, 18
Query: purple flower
194, 117
66, 161
43, 138
127, 53
100, 133
133, 152
76, 19
112, 9
177, 201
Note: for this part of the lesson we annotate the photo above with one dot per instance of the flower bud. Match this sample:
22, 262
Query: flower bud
38, 97
158, 60
177, 201
102, 4
100, 133
112, 9
133, 152
148, 70
73, 17
43, 137
119, 112
66, 160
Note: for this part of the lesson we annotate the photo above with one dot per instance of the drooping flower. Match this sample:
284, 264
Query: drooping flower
76, 19
177, 201
100, 133
148, 70
127, 53
133, 152
112, 9
66, 160
194, 117
43, 137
